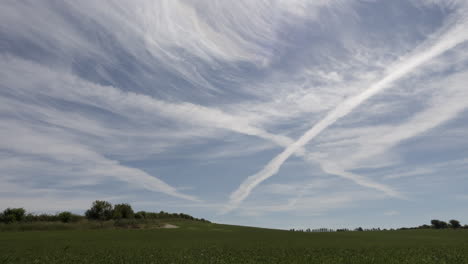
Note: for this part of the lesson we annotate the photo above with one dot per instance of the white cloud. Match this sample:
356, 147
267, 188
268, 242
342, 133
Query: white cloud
367, 143
166, 74
311, 204
54, 144
427, 51
409, 173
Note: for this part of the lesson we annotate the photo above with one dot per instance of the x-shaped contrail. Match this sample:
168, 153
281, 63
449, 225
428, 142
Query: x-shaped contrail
453, 36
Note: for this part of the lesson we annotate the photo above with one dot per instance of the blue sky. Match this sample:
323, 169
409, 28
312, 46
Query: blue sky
272, 113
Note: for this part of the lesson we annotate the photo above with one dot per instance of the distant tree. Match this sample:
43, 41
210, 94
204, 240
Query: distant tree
100, 210
359, 229
437, 224
454, 224
65, 217
47, 218
29, 218
11, 215
140, 215
123, 211
465, 227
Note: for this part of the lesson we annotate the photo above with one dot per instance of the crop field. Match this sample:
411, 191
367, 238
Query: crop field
213, 243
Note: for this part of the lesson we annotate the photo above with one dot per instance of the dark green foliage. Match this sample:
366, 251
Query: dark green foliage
45, 218
342, 230
140, 215
165, 215
437, 224
100, 210
454, 223
123, 211
65, 217
197, 242
29, 218
12, 215
129, 223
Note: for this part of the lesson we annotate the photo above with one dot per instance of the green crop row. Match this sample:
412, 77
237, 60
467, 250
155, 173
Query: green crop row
196, 242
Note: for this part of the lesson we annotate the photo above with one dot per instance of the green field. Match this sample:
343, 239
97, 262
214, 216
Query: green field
196, 242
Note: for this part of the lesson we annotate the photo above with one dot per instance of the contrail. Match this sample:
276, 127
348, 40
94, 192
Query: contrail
451, 38
331, 169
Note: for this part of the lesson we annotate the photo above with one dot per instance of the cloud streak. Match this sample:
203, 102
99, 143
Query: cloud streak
455, 35
161, 100
26, 140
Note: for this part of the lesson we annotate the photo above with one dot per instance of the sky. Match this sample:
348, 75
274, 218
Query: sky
270, 113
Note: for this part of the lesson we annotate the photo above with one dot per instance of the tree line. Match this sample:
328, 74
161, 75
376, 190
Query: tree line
99, 211
435, 224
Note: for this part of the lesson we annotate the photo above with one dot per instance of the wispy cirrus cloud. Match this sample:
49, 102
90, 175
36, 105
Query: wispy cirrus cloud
176, 97
449, 39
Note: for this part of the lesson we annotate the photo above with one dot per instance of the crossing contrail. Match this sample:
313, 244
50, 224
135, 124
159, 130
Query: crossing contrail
446, 41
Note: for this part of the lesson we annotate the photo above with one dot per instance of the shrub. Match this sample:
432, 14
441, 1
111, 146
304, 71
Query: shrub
437, 224
65, 217
127, 223
454, 224
123, 211
100, 210
140, 215
11, 215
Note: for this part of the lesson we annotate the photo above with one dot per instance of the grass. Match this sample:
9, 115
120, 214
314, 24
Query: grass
85, 225
196, 242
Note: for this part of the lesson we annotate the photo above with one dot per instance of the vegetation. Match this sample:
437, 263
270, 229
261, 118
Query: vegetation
116, 234
200, 242
102, 215
122, 215
123, 211
435, 224
12, 215
454, 224
101, 210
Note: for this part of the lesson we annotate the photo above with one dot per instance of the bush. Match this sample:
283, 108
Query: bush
437, 224
100, 210
65, 217
140, 215
127, 223
11, 215
123, 211
46, 218
29, 218
454, 224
